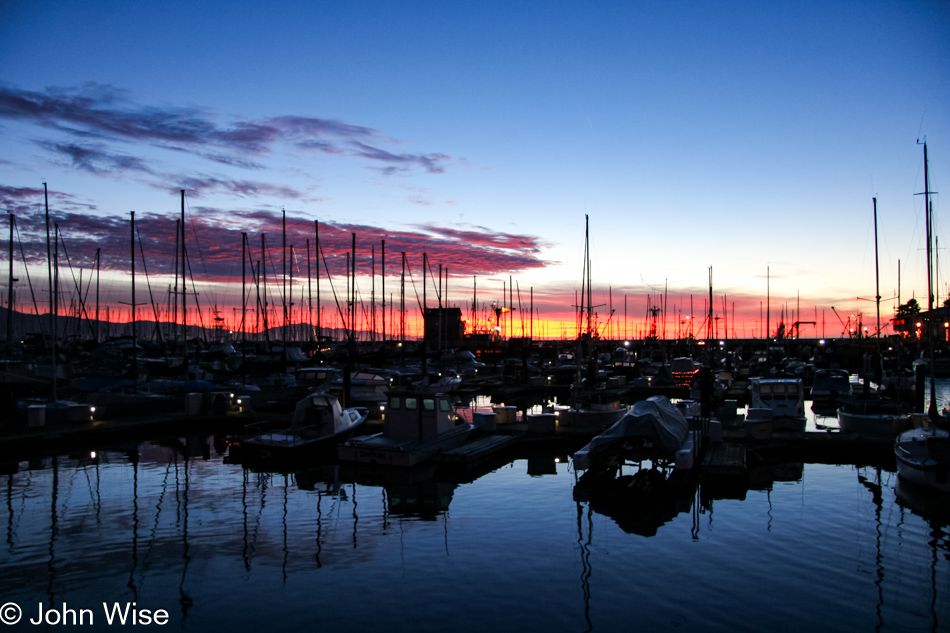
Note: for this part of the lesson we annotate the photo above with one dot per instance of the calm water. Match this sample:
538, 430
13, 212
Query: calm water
823, 547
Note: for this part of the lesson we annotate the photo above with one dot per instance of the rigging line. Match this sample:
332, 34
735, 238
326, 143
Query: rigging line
438, 290
414, 289
26, 268
149, 285
333, 288
82, 303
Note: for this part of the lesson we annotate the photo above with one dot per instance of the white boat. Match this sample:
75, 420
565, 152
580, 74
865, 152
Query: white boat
923, 457
652, 429
417, 425
784, 396
872, 415
318, 420
366, 389
592, 415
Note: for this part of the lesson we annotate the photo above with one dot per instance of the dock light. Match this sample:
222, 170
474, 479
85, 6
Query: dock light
626, 343
919, 324
239, 401
557, 460
92, 454
821, 342
722, 343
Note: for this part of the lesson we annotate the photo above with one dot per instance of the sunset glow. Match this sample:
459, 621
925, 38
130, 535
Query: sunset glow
723, 155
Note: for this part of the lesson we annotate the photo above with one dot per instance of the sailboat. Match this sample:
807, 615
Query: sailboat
923, 454
869, 413
591, 408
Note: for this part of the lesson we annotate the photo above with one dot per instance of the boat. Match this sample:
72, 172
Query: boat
684, 370
873, 415
318, 420
652, 429
365, 388
828, 389
923, 454
923, 457
784, 396
417, 425
592, 405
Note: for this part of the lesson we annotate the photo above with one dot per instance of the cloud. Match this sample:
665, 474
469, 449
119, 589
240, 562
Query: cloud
432, 163
94, 158
199, 186
94, 111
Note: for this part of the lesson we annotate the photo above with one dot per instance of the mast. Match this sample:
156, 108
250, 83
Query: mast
244, 308
55, 305
382, 276
135, 366
10, 293
932, 411
98, 253
283, 277
49, 267
425, 264
262, 273
309, 292
184, 296
877, 279
316, 233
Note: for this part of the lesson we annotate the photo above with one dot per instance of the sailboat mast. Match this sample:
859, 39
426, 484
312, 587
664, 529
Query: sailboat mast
184, 296
135, 367
316, 246
243, 308
283, 275
10, 292
932, 411
877, 276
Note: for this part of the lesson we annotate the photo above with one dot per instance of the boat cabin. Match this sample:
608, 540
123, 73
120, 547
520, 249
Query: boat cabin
418, 416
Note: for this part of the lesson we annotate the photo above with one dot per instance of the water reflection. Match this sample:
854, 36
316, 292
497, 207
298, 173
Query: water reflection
641, 502
172, 525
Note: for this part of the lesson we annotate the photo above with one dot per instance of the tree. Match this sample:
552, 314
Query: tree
909, 309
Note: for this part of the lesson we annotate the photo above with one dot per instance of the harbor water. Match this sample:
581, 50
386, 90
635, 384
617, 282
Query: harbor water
173, 530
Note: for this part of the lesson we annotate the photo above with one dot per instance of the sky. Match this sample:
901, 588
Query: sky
737, 141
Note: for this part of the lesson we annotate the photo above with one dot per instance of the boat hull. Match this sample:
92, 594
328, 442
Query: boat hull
873, 424
383, 451
590, 418
918, 460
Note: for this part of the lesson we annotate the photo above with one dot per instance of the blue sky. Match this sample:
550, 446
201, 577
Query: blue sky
740, 135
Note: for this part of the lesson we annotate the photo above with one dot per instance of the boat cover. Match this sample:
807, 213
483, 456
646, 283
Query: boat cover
656, 419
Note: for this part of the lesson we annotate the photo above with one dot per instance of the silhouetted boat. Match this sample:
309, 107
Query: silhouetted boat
417, 426
318, 420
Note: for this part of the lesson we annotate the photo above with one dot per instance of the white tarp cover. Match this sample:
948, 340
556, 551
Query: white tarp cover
655, 418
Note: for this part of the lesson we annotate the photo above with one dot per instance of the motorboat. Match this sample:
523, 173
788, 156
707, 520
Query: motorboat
923, 457
417, 425
592, 413
652, 429
318, 420
829, 387
873, 415
784, 396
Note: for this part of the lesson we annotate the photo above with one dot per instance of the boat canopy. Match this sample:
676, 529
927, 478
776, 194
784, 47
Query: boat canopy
655, 419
